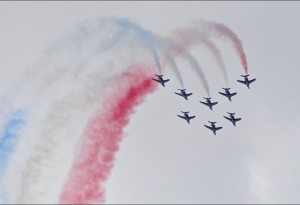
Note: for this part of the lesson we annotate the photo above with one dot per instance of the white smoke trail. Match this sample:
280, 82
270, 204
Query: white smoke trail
221, 31
63, 89
175, 49
196, 67
190, 36
176, 71
75, 87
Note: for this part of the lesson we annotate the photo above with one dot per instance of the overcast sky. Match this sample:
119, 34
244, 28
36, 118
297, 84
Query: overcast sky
163, 159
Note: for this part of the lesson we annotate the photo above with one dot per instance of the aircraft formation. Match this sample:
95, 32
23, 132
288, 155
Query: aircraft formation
208, 102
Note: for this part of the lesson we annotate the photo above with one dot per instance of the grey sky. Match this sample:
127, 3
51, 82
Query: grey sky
162, 159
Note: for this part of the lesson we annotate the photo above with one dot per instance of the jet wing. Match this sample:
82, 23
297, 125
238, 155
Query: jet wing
166, 80
223, 94
218, 128
156, 80
179, 94
240, 81
191, 117
232, 94
181, 116
204, 103
214, 103
189, 94
251, 81
209, 127
227, 118
237, 119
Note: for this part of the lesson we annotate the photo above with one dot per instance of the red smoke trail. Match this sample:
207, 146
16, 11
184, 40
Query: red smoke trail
102, 136
236, 42
224, 31
191, 36
186, 38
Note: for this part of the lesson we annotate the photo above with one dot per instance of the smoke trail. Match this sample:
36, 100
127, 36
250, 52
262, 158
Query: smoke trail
55, 138
212, 47
53, 73
191, 37
72, 66
101, 138
174, 49
167, 58
63, 119
9, 138
176, 71
3, 194
220, 30
196, 67
44, 167
70, 53
146, 36
10, 134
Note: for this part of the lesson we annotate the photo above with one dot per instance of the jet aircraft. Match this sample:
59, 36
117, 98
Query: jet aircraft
213, 127
186, 116
246, 81
209, 103
184, 94
161, 80
227, 93
232, 119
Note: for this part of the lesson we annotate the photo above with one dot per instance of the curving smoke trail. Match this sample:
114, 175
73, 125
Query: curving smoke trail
168, 59
102, 136
57, 125
176, 71
62, 91
178, 48
146, 36
218, 30
189, 37
219, 59
58, 131
72, 51
3, 194
196, 67
9, 137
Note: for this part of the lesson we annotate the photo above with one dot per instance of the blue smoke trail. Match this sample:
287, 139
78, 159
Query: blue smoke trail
114, 40
146, 36
3, 194
9, 138
85, 30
